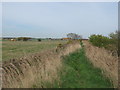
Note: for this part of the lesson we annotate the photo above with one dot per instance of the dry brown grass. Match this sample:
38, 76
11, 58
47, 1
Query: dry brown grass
40, 67
103, 59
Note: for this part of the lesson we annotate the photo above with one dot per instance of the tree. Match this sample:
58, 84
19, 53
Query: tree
23, 38
74, 36
115, 40
39, 40
114, 35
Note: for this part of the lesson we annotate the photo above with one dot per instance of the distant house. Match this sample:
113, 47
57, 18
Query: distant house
9, 38
65, 38
12, 39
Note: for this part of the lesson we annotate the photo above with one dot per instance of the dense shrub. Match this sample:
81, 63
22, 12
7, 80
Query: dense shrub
110, 43
39, 40
23, 38
99, 40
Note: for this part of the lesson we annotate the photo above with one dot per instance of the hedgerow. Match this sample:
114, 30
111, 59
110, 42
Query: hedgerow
99, 40
109, 43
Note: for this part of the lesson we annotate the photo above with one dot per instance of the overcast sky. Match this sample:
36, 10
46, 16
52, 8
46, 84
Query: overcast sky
56, 19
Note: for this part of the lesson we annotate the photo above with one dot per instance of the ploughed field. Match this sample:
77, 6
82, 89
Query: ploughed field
18, 49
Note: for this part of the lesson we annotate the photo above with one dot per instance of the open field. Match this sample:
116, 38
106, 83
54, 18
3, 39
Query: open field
17, 49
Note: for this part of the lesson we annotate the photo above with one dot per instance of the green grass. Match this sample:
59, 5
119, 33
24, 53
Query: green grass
78, 72
17, 49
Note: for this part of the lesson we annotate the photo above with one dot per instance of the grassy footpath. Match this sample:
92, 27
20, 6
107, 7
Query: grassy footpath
78, 72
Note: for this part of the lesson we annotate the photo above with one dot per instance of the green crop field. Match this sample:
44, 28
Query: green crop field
17, 49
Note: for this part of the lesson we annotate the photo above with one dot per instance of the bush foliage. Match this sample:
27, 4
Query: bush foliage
23, 38
99, 40
39, 40
110, 43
